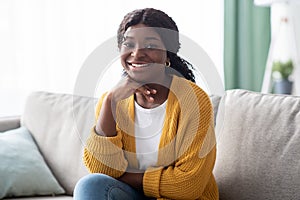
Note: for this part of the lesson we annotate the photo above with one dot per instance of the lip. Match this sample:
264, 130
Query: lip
138, 65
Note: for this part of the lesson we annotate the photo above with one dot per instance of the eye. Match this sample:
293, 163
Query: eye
151, 46
128, 44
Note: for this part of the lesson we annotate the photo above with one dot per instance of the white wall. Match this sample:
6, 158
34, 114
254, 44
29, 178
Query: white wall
286, 36
45, 42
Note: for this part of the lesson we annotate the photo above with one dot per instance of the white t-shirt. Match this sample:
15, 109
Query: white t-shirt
148, 128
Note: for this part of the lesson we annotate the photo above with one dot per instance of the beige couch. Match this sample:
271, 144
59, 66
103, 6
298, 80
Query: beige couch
60, 124
258, 137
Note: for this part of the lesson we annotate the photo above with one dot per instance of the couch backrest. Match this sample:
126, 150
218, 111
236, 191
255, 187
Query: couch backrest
258, 146
215, 100
60, 123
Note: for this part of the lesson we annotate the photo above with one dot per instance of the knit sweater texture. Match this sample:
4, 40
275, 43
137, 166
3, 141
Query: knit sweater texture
187, 148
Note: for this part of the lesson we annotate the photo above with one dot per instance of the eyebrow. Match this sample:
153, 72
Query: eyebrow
147, 38
152, 38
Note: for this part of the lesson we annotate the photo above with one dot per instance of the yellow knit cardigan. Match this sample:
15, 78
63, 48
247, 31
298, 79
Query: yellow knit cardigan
187, 149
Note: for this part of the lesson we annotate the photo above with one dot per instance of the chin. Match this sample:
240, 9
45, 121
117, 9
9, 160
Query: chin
142, 78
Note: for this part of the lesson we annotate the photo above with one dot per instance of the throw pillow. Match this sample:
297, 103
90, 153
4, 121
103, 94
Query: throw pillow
23, 171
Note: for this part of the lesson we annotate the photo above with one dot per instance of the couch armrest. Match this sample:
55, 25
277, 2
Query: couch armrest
8, 123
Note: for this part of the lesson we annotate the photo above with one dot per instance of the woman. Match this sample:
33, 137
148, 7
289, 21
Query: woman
154, 134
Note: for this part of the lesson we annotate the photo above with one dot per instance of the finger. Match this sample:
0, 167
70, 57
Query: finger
146, 97
149, 98
152, 91
148, 90
143, 90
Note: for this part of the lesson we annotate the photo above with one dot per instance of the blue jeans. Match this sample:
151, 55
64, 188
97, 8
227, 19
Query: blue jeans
103, 187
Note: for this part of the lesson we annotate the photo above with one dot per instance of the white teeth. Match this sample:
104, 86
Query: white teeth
139, 65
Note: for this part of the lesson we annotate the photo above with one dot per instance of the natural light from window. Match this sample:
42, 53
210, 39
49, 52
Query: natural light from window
45, 42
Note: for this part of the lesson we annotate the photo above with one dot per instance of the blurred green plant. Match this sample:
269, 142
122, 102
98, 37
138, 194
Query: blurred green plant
282, 70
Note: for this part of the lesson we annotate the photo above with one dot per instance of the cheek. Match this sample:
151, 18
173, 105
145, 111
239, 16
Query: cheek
123, 57
123, 52
159, 56
162, 59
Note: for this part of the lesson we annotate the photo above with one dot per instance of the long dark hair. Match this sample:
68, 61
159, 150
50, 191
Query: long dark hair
156, 18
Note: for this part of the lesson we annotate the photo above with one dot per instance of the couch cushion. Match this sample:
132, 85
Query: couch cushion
23, 171
60, 123
258, 154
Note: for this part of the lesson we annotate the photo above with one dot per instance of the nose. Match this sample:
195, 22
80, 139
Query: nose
138, 52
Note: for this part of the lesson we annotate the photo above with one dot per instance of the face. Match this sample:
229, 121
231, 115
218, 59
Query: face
143, 54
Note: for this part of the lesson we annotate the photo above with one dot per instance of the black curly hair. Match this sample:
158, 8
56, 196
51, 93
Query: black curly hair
156, 18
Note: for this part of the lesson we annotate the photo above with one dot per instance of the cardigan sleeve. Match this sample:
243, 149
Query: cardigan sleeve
104, 154
190, 177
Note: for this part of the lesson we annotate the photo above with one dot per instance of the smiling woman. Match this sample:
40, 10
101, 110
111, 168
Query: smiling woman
154, 130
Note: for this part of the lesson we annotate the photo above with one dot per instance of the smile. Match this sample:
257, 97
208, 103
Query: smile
139, 65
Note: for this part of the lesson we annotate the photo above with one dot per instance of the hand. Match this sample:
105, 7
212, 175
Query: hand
146, 93
135, 180
106, 124
127, 86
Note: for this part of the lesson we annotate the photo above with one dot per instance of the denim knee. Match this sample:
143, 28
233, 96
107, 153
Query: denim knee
101, 186
89, 186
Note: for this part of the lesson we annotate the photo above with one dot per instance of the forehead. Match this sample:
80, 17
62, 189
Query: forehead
141, 31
